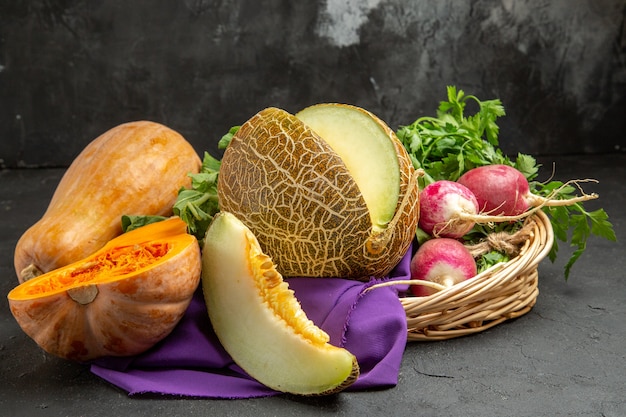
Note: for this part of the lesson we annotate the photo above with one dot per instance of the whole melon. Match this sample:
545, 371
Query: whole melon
328, 192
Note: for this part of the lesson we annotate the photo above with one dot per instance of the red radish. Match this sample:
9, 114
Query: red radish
503, 193
442, 261
446, 209
500, 190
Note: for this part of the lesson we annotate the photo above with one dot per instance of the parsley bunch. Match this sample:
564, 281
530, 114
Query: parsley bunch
452, 143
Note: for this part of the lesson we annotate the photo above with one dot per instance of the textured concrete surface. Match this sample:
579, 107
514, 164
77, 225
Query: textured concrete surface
70, 70
566, 357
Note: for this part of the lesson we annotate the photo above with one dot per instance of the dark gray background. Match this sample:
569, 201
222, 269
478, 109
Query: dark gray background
71, 69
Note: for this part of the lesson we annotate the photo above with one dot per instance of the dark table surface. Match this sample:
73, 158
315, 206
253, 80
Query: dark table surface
566, 357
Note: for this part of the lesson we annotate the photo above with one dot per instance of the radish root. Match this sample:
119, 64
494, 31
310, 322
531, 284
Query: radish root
537, 202
391, 283
507, 243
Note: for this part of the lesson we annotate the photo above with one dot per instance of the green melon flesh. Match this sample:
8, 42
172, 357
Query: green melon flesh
357, 137
259, 321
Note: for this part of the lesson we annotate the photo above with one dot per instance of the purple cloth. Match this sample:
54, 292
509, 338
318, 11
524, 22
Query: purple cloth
191, 362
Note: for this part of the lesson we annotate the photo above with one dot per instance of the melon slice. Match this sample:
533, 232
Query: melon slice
259, 321
367, 151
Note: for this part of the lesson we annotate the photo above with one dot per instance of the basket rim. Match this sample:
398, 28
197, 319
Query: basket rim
504, 291
542, 236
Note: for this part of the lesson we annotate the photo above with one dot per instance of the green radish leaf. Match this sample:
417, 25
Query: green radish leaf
600, 225
490, 259
197, 205
527, 165
131, 222
225, 140
453, 142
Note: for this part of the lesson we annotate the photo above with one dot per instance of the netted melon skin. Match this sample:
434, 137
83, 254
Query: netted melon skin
298, 198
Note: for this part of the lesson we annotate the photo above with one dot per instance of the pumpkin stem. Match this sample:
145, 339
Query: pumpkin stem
84, 294
30, 272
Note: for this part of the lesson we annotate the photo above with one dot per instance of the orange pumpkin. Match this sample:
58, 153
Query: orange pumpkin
118, 301
134, 168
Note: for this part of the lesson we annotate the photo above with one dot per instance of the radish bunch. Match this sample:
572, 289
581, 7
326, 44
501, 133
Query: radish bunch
445, 145
501, 193
450, 209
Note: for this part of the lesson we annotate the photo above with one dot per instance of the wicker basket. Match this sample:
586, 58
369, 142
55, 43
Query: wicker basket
505, 291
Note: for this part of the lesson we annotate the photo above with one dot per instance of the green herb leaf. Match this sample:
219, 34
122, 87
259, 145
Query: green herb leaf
600, 225
130, 222
572, 223
490, 259
452, 143
527, 165
225, 140
197, 205
583, 225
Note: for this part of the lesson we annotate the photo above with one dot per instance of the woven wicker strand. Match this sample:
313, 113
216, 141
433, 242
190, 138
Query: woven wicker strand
503, 292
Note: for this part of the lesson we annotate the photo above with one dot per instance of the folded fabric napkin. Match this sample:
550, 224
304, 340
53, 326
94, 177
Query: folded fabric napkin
191, 362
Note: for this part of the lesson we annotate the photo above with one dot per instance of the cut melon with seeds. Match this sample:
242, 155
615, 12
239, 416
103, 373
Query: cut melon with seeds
328, 192
260, 322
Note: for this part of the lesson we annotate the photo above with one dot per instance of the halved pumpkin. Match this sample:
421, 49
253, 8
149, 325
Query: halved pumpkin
260, 322
119, 301
329, 192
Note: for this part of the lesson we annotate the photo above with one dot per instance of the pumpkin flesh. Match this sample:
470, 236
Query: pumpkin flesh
119, 301
133, 168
